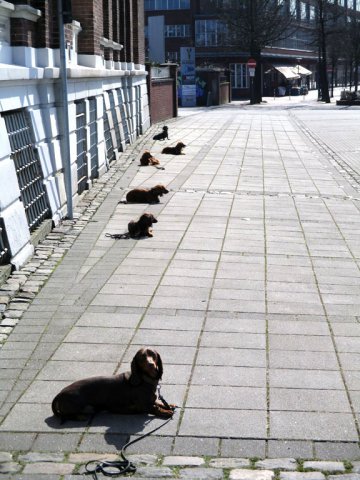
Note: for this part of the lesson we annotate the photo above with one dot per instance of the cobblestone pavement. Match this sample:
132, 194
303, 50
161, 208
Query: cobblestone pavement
249, 289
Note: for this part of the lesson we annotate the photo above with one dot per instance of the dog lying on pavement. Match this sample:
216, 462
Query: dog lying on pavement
129, 392
163, 135
145, 195
148, 159
177, 150
142, 228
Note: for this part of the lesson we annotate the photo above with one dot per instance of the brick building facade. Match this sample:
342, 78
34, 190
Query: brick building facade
107, 102
192, 23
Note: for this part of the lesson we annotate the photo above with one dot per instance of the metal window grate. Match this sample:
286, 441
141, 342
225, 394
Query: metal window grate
110, 153
81, 146
138, 110
4, 245
28, 169
93, 150
124, 120
115, 120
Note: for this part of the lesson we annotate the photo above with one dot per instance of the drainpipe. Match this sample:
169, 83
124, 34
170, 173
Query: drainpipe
66, 160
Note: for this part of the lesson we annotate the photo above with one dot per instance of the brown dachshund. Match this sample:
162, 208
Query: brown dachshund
129, 392
177, 150
142, 228
148, 159
144, 195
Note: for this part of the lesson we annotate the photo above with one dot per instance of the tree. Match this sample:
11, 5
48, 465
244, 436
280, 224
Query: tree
254, 24
327, 18
353, 43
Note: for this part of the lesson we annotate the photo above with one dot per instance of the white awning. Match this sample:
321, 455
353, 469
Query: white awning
288, 72
302, 71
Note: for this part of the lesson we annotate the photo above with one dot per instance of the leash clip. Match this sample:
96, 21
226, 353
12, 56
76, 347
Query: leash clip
166, 405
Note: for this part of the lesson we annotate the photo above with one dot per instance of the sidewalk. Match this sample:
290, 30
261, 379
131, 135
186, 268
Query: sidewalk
249, 290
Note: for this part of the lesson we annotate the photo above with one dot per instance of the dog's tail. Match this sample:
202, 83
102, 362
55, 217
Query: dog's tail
159, 168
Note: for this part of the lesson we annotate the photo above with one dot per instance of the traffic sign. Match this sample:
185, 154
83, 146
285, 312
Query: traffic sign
251, 63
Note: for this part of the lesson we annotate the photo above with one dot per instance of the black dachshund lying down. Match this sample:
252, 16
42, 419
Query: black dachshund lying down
163, 135
177, 150
129, 392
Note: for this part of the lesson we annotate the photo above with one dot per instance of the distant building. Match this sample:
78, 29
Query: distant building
172, 24
107, 100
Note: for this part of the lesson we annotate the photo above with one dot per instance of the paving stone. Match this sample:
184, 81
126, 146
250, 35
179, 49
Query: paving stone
196, 446
336, 451
10, 467
243, 448
201, 473
80, 458
325, 466
277, 463
302, 476
16, 441
146, 459
39, 476
183, 461
156, 472
289, 448
48, 468
348, 476
356, 466
229, 463
5, 457
237, 474
33, 457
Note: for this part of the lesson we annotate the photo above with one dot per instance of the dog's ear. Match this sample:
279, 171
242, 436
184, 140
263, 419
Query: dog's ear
159, 365
135, 378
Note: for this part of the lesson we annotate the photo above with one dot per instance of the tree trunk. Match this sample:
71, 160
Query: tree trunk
325, 97
256, 90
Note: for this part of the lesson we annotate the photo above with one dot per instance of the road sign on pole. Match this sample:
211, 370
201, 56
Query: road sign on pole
251, 63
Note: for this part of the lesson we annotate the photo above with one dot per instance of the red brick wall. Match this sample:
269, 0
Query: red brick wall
119, 20
116, 27
23, 33
128, 45
161, 100
90, 15
122, 29
138, 31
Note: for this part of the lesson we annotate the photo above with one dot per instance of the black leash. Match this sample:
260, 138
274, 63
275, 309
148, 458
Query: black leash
117, 236
120, 467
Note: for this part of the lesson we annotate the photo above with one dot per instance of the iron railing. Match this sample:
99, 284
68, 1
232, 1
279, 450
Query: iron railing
115, 120
81, 146
28, 168
93, 136
124, 119
4, 245
110, 153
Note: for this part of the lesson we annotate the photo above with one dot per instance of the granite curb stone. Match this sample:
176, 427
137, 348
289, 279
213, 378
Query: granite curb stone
190, 467
325, 466
302, 476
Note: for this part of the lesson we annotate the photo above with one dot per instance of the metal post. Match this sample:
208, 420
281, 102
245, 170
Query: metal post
66, 160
